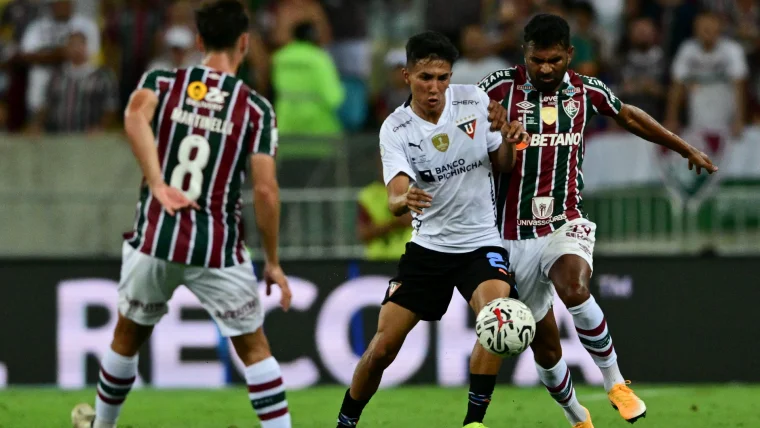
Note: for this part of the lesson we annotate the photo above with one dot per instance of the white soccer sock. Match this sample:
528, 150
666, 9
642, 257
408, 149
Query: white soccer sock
267, 393
117, 374
559, 383
592, 331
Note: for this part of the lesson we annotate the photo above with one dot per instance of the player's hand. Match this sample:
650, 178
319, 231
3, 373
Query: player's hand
273, 274
418, 199
497, 115
172, 199
701, 161
514, 133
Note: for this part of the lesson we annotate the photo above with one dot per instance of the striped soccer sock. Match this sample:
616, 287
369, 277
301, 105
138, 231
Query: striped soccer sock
267, 393
479, 397
117, 374
559, 383
593, 333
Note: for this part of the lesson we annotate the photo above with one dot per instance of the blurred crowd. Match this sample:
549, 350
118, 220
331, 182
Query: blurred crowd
333, 66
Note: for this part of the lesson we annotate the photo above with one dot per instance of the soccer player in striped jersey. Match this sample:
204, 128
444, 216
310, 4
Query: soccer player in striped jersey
194, 132
540, 209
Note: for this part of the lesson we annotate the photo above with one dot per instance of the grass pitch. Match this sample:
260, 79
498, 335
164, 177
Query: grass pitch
668, 407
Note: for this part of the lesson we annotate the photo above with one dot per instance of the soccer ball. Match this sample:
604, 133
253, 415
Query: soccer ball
505, 327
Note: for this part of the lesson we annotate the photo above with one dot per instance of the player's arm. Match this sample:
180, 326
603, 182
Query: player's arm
266, 203
403, 197
137, 119
501, 141
639, 123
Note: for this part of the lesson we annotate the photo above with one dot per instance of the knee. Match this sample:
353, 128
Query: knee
546, 354
573, 293
252, 347
128, 336
381, 353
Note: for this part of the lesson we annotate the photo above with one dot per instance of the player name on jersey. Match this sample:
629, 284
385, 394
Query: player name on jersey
543, 191
207, 124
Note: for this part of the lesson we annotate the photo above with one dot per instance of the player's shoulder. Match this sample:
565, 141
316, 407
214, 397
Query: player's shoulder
256, 100
588, 81
397, 121
499, 77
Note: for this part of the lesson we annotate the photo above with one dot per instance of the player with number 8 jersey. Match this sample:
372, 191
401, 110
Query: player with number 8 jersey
208, 124
195, 132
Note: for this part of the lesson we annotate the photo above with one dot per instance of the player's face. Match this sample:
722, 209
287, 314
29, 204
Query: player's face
428, 80
547, 66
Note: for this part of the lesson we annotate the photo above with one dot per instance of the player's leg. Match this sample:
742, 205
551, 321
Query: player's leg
230, 295
553, 371
568, 262
394, 324
146, 284
485, 277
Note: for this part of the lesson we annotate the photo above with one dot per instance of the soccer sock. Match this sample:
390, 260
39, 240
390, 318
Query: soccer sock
267, 393
117, 374
481, 388
559, 383
350, 411
592, 331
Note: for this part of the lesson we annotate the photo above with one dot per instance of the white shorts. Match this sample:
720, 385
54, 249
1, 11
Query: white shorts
531, 260
230, 295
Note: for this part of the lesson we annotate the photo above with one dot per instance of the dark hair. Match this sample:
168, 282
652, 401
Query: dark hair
430, 45
305, 31
546, 30
220, 24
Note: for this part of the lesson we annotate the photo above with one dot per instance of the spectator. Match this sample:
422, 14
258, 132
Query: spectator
43, 46
384, 236
133, 30
586, 43
711, 71
307, 88
477, 60
179, 42
16, 17
643, 69
396, 91
285, 15
81, 97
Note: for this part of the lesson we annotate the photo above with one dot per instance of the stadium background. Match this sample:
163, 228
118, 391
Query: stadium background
676, 257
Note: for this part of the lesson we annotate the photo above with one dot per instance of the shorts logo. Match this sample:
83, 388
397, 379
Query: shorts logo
542, 207
441, 142
394, 286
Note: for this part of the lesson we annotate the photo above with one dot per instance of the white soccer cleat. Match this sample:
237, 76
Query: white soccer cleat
82, 416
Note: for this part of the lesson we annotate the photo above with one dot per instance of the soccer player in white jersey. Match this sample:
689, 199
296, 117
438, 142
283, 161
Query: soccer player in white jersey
439, 155
194, 132
540, 207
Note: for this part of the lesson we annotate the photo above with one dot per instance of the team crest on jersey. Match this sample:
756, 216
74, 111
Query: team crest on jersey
542, 207
571, 107
441, 142
393, 287
468, 127
549, 115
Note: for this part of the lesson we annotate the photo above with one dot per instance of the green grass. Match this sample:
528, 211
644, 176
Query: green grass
669, 407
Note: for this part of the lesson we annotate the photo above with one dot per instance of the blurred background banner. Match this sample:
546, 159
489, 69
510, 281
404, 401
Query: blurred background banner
688, 309
677, 254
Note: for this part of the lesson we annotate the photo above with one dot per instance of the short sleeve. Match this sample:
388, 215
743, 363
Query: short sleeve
393, 156
680, 67
31, 41
498, 84
263, 132
737, 62
602, 98
493, 138
151, 80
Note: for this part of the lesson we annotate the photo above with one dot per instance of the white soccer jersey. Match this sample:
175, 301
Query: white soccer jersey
450, 161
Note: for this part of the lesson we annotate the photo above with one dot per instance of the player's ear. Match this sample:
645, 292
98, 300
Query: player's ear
570, 53
244, 43
405, 73
199, 43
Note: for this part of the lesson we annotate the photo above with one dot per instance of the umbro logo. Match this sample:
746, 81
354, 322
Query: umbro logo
419, 146
525, 105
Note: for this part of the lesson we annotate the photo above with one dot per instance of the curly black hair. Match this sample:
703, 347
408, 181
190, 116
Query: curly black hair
546, 30
430, 45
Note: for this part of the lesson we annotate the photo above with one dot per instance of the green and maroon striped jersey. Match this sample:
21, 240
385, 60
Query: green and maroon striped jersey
543, 191
207, 124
